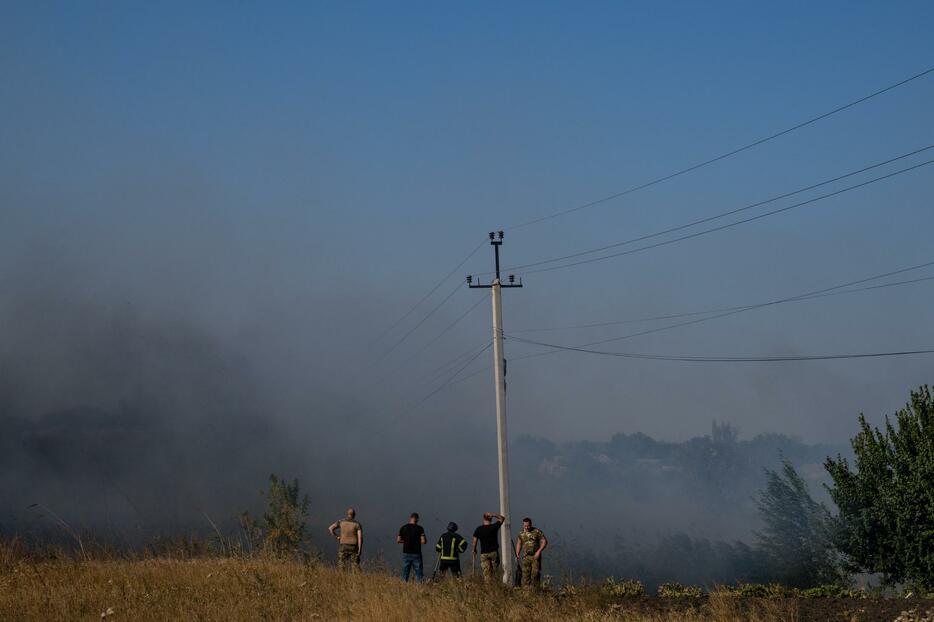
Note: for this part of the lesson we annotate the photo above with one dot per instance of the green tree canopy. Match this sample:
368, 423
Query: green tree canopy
283, 521
886, 503
285, 515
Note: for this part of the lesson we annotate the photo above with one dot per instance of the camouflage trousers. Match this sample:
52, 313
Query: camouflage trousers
348, 557
531, 571
489, 565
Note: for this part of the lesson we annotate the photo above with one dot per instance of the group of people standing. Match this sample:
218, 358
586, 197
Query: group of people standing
528, 549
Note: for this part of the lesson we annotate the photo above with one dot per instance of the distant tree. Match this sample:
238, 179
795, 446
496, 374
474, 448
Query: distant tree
252, 532
886, 521
797, 539
283, 523
285, 515
724, 434
715, 463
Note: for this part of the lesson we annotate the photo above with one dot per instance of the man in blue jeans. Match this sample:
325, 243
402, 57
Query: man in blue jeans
412, 537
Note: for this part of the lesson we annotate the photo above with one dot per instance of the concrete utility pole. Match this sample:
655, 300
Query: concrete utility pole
499, 379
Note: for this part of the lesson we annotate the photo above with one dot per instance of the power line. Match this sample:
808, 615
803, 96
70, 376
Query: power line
449, 381
763, 304
715, 310
723, 156
721, 214
728, 359
441, 369
446, 330
806, 296
733, 312
433, 310
732, 224
428, 295
450, 326
760, 141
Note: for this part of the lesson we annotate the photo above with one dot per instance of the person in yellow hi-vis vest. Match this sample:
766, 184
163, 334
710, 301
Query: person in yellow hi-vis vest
450, 546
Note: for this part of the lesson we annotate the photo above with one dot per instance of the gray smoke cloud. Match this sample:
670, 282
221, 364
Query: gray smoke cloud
156, 367
132, 425
165, 346
126, 417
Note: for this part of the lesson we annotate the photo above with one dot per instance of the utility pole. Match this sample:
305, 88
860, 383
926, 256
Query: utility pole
499, 380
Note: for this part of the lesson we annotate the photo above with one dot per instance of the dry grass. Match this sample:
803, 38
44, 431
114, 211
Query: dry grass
236, 590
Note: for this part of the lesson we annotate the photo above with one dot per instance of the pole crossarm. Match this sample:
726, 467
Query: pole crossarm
490, 285
495, 242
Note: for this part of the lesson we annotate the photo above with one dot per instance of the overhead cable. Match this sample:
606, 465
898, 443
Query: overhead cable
728, 359
450, 380
431, 291
441, 334
444, 368
430, 313
732, 311
673, 316
723, 156
734, 223
718, 216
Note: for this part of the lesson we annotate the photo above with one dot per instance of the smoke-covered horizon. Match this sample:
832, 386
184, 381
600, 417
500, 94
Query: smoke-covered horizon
124, 423
145, 386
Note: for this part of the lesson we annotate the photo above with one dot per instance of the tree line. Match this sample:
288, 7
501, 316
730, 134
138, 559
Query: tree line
882, 522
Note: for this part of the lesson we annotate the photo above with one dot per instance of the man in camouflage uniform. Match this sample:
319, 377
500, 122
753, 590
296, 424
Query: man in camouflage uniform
529, 546
349, 534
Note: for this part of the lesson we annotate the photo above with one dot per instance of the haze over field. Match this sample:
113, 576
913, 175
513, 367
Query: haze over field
209, 215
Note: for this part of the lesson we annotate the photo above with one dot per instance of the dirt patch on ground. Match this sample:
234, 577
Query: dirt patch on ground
858, 610
792, 609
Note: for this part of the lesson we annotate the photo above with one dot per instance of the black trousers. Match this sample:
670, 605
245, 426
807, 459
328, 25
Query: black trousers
454, 565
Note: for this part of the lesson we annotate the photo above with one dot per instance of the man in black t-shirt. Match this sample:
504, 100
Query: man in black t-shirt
412, 537
487, 535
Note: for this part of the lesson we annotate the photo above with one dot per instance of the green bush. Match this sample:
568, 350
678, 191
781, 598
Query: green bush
626, 587
831, 591
568, 590
676, 590
284, 520
757, 590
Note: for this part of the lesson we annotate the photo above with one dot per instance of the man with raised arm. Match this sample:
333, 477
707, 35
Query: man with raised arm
487, 535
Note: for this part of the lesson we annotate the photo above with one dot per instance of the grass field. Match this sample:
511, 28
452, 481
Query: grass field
234, 590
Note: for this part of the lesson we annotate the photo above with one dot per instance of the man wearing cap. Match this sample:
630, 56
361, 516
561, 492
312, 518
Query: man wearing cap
450, 546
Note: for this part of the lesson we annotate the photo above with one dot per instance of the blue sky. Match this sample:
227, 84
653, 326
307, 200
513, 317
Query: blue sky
294, 175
